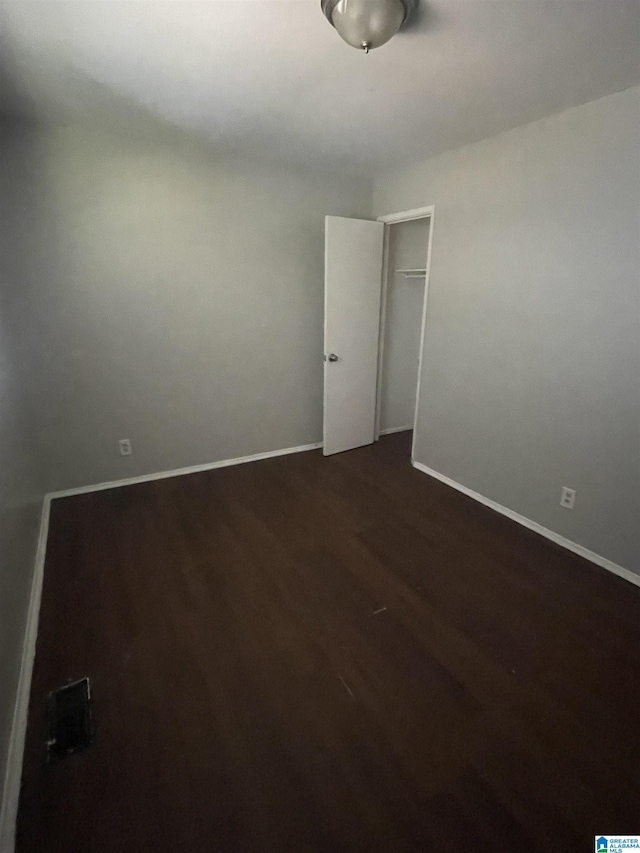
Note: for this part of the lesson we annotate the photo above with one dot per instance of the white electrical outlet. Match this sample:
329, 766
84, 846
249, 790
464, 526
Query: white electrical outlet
125, 447
567, 497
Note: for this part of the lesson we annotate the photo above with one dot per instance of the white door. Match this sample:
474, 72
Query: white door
352, 282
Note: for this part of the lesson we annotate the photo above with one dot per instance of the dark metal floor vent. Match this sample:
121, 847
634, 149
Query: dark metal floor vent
70, 722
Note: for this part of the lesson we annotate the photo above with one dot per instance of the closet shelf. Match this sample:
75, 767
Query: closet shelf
417, 273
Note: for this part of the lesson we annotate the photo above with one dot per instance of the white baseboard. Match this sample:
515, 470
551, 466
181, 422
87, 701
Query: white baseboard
178, 472
13, 775
610, 566
395, 429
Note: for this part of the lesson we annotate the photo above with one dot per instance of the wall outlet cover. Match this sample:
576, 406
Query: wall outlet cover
567, 497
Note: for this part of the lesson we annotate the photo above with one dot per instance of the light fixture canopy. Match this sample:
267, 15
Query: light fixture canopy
366, 24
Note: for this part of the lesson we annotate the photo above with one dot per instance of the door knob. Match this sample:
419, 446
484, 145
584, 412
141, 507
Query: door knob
332, 356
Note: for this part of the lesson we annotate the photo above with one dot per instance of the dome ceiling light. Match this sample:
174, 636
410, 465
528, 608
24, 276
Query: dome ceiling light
366, 24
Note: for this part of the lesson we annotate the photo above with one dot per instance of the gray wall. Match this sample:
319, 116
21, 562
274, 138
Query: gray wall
403, 321
20, 495
531, 374
176, 300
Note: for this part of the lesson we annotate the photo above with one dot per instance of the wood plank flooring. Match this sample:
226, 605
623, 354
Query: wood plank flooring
341, 654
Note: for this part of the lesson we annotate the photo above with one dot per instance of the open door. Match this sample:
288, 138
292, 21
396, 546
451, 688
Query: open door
352, 282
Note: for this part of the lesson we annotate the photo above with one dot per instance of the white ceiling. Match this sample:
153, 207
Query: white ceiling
271, 78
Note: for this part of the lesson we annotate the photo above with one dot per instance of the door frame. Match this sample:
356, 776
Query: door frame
394, 219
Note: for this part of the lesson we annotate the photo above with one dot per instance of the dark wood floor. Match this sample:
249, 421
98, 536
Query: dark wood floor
342, 654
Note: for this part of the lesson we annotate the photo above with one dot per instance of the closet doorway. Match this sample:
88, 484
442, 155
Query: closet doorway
376, 279
402, 319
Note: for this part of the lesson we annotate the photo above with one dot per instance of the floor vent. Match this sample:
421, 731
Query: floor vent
70, 722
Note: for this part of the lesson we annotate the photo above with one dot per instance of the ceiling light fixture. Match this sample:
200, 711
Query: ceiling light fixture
366, 24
